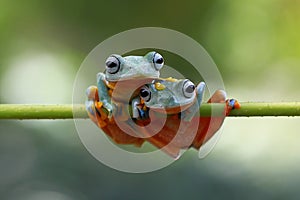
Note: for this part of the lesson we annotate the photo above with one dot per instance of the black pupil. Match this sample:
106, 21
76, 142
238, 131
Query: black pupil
159, 61
144, 93
111, 64
190, 89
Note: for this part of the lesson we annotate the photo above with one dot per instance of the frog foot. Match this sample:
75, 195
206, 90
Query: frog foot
140, 112
91, 110
232, 104
92, 93
143, 113
102, 115
109, 109
94, 107
139, 109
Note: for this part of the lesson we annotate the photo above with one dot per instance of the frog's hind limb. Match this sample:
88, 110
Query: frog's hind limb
209, 125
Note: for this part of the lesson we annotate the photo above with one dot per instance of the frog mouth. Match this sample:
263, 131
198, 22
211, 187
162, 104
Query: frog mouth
136, 81
149, 79
172, 109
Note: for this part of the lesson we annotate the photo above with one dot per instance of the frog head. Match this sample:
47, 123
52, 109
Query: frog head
120, 68
170, 95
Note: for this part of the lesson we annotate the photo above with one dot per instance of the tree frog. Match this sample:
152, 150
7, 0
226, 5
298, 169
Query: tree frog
170, 96
181, 100
124, 74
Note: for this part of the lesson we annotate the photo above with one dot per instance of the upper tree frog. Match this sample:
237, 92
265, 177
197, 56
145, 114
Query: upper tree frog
127, 73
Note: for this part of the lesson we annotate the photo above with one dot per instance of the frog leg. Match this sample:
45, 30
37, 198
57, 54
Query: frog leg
120, 111
135, 109
200, 92
231, 104
220, 97
189, 113
103, 94
92, 98
139, 110
94, 107
210, 125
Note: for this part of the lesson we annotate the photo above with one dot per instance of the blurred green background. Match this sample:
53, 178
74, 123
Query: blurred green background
256, 46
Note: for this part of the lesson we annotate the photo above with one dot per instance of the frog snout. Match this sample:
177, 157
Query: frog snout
168, 100
146, 70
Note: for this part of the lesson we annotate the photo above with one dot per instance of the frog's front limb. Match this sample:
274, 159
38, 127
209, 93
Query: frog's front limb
93, 107
103, 93
92, 94
135, 107
189, 113
200, 92
139, 110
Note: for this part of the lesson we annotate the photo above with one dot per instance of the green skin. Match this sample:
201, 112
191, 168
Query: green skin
130, 67
133, 67
172, 97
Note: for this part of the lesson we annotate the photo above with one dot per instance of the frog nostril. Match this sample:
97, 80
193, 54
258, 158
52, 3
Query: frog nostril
171, 99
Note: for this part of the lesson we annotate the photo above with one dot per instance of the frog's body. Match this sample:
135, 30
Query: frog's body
180, 100
183, 128
99, 116
124, 75
172, 95
116, 87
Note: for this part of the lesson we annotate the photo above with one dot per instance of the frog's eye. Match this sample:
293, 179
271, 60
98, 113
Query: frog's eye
158, 61
188, 89
112, 64
145, 93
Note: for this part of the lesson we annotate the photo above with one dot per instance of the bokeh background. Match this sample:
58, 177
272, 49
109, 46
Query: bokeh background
256, 46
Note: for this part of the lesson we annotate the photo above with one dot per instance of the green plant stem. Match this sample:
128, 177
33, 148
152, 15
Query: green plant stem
65, 111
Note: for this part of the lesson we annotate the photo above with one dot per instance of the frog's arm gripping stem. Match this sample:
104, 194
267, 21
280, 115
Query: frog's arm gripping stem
92, 99
103, 93
188, 114
135, 110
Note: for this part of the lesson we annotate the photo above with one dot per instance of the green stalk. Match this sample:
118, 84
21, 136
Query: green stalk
65, 111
